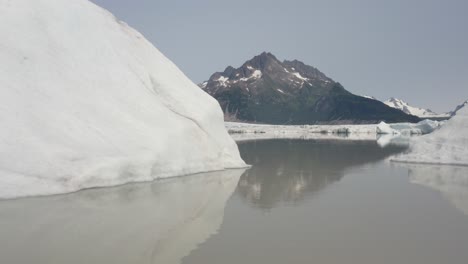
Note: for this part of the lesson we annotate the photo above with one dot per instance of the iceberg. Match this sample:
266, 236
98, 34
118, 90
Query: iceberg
86, 101
421, 128
447, 145
385, 129
400, 133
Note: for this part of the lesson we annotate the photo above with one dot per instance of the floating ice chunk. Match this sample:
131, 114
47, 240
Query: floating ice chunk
384, 128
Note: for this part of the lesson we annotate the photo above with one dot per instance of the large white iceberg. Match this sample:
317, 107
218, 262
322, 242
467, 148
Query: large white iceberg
447, 145
87, 101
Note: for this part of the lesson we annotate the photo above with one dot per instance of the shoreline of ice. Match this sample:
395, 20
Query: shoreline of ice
383, 133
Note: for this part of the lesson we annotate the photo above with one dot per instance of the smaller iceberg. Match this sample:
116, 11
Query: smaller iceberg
400, 133
447, 145
422, 128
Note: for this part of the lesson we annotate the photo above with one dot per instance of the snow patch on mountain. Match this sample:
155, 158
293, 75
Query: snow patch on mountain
369, 97
223, 80
281, 91
87, 101
298, 75
255, 75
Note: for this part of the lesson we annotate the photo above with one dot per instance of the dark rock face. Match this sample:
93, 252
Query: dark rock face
266, 90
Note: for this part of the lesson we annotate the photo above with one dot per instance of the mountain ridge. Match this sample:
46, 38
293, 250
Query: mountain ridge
267, 90
412, 110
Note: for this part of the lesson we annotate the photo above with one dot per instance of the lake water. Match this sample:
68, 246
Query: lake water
303, 201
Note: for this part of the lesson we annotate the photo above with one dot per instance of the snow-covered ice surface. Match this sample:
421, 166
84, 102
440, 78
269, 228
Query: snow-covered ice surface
448, 145
87, 101
159, 222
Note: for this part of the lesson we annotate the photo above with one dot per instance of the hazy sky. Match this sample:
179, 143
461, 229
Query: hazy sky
416, 50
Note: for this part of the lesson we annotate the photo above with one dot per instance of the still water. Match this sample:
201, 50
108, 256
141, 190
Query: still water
303, 201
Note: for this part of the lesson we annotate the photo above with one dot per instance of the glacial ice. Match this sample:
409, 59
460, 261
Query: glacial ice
86, 101
447, 145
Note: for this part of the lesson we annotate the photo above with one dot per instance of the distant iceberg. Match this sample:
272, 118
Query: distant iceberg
423, 127
87, 101
399, 133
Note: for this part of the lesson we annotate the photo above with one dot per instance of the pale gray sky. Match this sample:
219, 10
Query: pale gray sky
416, 50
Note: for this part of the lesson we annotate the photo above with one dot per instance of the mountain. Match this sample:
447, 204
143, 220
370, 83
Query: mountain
266, 90
87, 101
411, 110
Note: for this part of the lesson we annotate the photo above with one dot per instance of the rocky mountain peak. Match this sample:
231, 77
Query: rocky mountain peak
306, 70
265, 89
291, 75
264, 61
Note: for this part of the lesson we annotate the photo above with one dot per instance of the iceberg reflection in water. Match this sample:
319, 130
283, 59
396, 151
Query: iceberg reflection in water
159, 222
337, 201
450, 181
289, 171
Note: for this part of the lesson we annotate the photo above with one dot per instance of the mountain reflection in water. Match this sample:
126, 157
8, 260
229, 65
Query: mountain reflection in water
287, 171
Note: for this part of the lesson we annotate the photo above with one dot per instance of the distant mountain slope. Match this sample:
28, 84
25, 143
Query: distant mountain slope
266, 90
411, 110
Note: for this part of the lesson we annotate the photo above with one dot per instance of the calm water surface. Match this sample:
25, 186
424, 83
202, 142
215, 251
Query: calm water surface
303, 201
